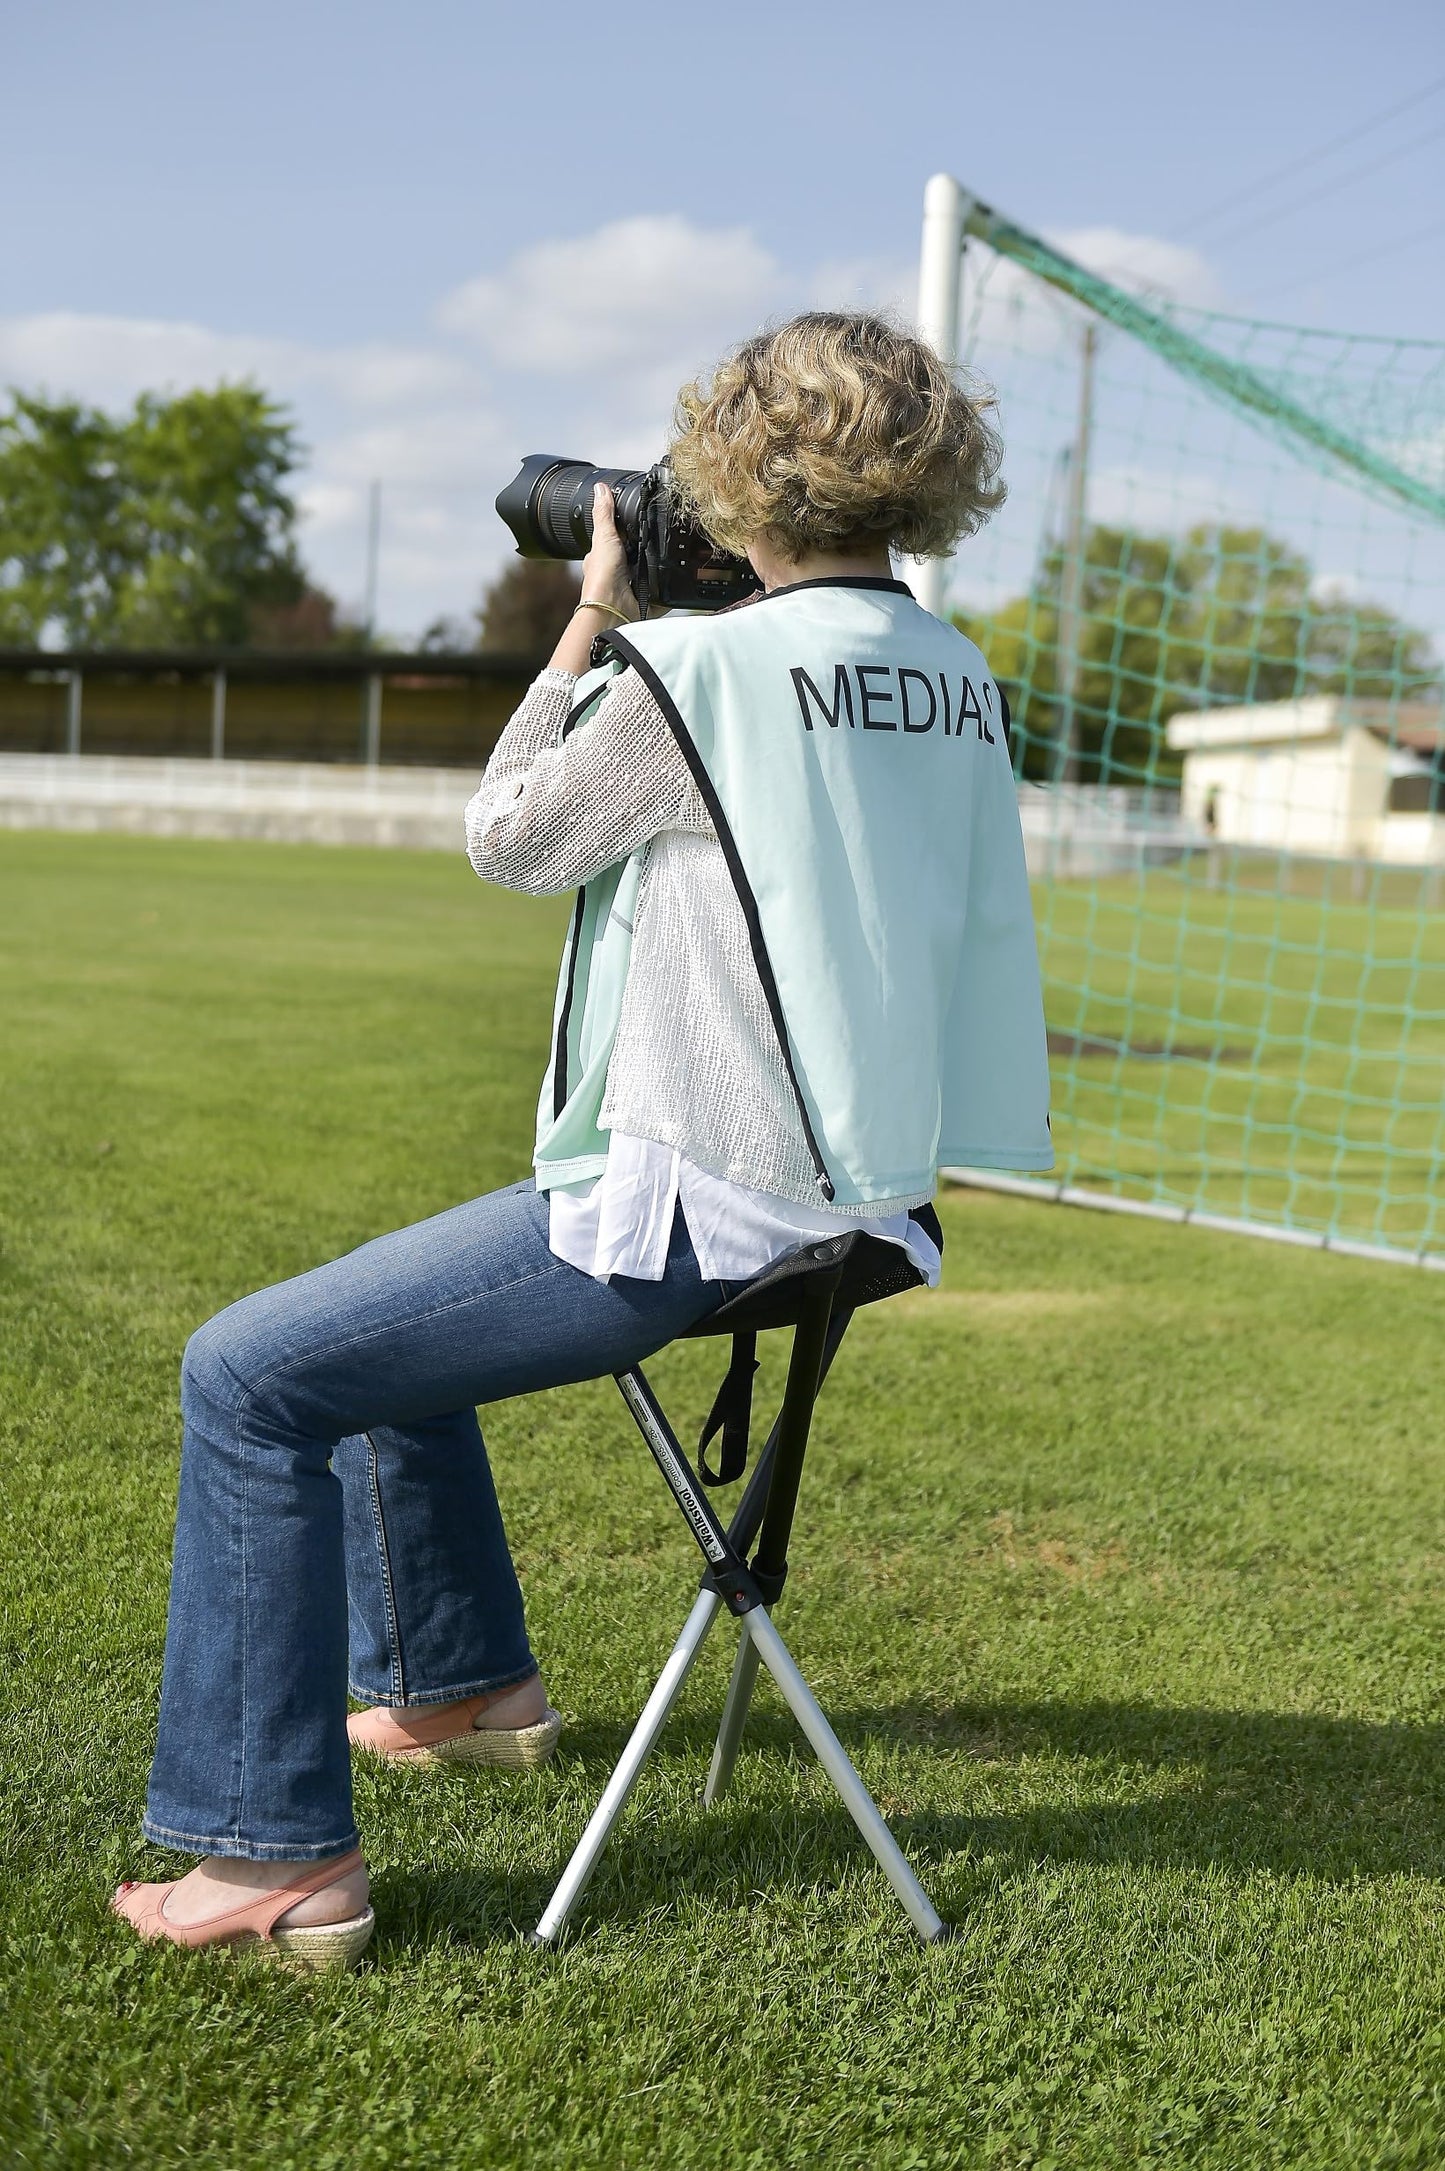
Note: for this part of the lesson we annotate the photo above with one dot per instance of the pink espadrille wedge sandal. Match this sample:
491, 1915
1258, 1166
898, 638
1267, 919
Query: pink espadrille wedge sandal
314, 1945
451, 1734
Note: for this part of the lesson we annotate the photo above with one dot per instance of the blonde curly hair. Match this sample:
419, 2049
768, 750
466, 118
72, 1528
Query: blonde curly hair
834, 432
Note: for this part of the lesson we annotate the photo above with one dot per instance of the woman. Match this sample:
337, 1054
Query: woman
800, 973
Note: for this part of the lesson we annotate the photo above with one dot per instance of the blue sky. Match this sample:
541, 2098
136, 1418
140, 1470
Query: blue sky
448, 234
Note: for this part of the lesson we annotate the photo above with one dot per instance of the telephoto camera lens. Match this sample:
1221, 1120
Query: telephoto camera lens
548, 505
671, 562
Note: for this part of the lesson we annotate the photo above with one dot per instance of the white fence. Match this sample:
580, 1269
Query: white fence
1082, 831
291, 802
1070, 830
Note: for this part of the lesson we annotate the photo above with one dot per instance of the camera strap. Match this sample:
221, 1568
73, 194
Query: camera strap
731, 1414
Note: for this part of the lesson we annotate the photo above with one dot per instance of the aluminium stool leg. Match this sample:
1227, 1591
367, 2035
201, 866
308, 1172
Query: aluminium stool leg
727, 1583
573, 1881
741, 1532
834, 1758
769, 1503
734, 1719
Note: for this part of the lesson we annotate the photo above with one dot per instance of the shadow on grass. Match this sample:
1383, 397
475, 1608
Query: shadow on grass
1108, 1784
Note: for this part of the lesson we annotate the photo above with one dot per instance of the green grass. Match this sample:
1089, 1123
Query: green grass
1310, 1090
1120, 1570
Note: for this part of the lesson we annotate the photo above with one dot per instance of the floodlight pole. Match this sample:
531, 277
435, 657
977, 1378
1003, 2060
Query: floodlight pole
946, 206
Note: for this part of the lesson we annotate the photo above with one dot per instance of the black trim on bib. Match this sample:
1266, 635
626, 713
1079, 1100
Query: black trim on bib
838, 580
621, 646
573, 717
559, 1055
576, 715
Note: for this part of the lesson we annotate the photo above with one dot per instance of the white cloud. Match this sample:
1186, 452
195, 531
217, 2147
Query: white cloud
1154, 500
867, 282
1330, 589
444, 448
1421, 454
1154, 270
1008, 312
327, 506
112, 358
652, 292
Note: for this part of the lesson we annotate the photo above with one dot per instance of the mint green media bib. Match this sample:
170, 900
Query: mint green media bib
851, 751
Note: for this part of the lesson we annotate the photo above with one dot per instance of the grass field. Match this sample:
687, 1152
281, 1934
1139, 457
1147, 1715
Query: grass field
1306, 1083
1120, 1572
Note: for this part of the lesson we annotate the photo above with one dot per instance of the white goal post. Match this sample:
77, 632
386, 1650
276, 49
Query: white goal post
940, 277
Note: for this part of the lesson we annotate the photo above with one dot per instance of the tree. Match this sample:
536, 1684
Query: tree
313, 620
1186, 622
63, 549
167, 526
525, 608
447, 636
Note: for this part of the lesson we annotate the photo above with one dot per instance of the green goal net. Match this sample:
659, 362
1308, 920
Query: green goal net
1216, 599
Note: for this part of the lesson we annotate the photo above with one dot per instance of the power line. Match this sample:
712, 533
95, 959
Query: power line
1327, 188
1351, 263
1310, 158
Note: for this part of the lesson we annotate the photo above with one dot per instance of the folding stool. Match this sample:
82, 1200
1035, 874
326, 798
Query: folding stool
815, 1292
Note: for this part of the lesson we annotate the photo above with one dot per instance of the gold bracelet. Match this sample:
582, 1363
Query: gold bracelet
589, 603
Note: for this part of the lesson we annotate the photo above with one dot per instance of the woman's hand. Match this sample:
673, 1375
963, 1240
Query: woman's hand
604, 580
604, 569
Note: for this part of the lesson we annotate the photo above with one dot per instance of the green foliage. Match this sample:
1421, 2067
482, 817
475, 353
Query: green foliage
1218, 615
170, 526
311, 620
1118, 1566
526, 608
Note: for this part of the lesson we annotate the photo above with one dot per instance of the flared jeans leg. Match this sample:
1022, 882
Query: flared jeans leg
331, 1465
434, 1611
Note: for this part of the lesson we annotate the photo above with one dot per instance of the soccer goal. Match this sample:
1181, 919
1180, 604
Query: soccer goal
1215, 598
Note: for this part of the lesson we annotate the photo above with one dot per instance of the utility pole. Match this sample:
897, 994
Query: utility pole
373, 557
218, 713
1069, 651
371, 691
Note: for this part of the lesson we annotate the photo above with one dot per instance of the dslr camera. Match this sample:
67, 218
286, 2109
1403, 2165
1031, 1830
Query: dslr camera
671, 563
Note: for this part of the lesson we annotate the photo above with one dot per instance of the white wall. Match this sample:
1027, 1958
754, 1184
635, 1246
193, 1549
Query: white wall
1411, 840
1325, 796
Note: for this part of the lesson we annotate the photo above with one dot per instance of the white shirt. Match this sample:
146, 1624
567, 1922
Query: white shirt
621, 1223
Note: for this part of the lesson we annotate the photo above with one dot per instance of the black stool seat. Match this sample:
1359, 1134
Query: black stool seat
840, 1273
871, 1270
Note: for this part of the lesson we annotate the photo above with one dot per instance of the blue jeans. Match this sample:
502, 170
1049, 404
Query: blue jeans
335, 1493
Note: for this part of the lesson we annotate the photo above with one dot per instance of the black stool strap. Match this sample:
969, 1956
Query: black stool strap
731, 1413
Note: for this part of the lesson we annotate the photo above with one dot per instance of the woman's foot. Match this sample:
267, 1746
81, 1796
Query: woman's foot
513, 1726
315, 1914
218, 1884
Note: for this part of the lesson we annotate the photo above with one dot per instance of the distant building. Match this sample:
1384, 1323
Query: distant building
1328, 776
